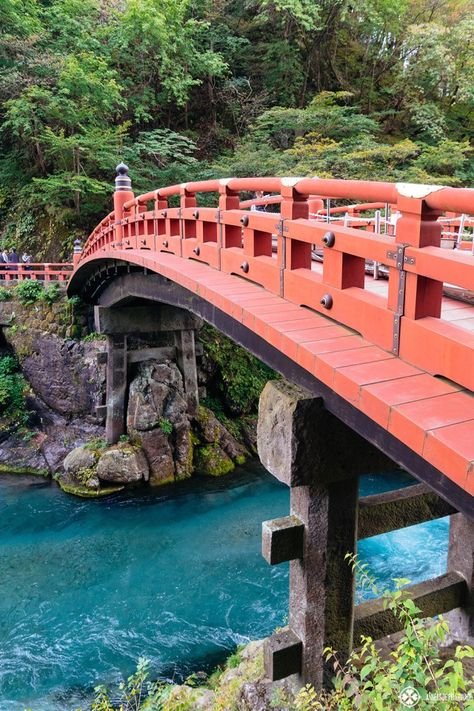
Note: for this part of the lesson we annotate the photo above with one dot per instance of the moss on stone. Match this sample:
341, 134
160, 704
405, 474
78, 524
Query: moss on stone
84, 492
211, 460
30, 471
240, 459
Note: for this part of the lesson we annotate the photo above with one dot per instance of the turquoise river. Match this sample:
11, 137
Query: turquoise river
172, 574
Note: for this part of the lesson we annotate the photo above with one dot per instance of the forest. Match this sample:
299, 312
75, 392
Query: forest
193, 89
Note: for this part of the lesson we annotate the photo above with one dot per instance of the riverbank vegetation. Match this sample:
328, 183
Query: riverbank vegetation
13, 386
415, 668
189, 89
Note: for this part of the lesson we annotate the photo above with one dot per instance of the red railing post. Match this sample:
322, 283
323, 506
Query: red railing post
229, 235
123, 193
292, 254
419, 227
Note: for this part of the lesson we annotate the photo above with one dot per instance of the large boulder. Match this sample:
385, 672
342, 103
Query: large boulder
158, 420
159, 453
78, 460
155, 394
213, 432
123, 465
64, 374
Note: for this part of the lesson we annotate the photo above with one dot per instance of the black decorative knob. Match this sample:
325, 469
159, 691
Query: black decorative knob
122, 181
197, 251
196, 214
165, 243
329, 239
164, 213
245, 267
326, 301
245, 220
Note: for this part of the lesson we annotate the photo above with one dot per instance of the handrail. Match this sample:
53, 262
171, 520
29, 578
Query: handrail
44, 271
274, 250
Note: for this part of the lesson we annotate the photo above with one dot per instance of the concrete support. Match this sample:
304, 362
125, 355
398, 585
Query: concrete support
320, 458
461, 560
116, 386
186, 360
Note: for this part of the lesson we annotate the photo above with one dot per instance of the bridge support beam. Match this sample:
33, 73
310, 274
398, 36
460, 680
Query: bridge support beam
186, 360
461, 560
320, 459
116, 386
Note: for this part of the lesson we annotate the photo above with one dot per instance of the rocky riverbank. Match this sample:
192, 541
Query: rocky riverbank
64, 367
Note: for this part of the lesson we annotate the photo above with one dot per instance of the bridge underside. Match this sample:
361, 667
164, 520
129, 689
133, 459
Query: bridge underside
306, 348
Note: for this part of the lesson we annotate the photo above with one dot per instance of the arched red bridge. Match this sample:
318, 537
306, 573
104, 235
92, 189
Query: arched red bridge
346, 300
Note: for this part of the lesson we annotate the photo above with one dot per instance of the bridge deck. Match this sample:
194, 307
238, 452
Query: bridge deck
431, 415
391, 357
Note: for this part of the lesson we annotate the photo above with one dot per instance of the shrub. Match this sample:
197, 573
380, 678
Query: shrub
5, 294
414, 670
165, 426
29, 291
13, 410
239, 377
51, 294
95, 444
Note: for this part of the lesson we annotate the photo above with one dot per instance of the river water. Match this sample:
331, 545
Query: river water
173, 574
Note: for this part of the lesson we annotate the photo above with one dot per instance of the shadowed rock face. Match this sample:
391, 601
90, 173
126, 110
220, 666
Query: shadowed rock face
67, 379
65, 374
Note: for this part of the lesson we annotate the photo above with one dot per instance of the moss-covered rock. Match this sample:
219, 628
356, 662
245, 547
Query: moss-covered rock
10, 469
211, 460
85, 492
124, 465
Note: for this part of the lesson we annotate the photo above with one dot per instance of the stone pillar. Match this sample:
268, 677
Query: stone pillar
186, 361
461, 560
322, 582
116, 386
319, 458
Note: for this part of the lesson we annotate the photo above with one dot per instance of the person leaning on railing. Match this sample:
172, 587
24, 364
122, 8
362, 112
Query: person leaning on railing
3, 260
13, 259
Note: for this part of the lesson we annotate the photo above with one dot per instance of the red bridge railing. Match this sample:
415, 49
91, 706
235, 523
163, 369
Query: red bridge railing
275, 250
44, 271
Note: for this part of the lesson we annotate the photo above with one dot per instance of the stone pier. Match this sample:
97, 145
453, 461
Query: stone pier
320, 459
120, 323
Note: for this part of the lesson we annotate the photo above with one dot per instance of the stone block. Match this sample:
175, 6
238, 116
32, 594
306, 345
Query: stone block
282, 653
282, 539
299, 441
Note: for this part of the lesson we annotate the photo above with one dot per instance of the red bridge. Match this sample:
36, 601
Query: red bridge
347, 300
361, 306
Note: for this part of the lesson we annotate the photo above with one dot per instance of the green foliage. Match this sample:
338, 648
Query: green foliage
238, 378
370, 682
5, 294
94, 336
13, 386
29, 291
137, 693
165, 426
371, 88
51, 294
96, 444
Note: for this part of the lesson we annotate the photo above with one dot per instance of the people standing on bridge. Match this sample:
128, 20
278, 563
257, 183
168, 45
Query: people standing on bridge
3, 260
26, 259
258, 196
13, 258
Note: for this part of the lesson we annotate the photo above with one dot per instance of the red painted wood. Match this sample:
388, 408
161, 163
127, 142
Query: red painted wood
257, 267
